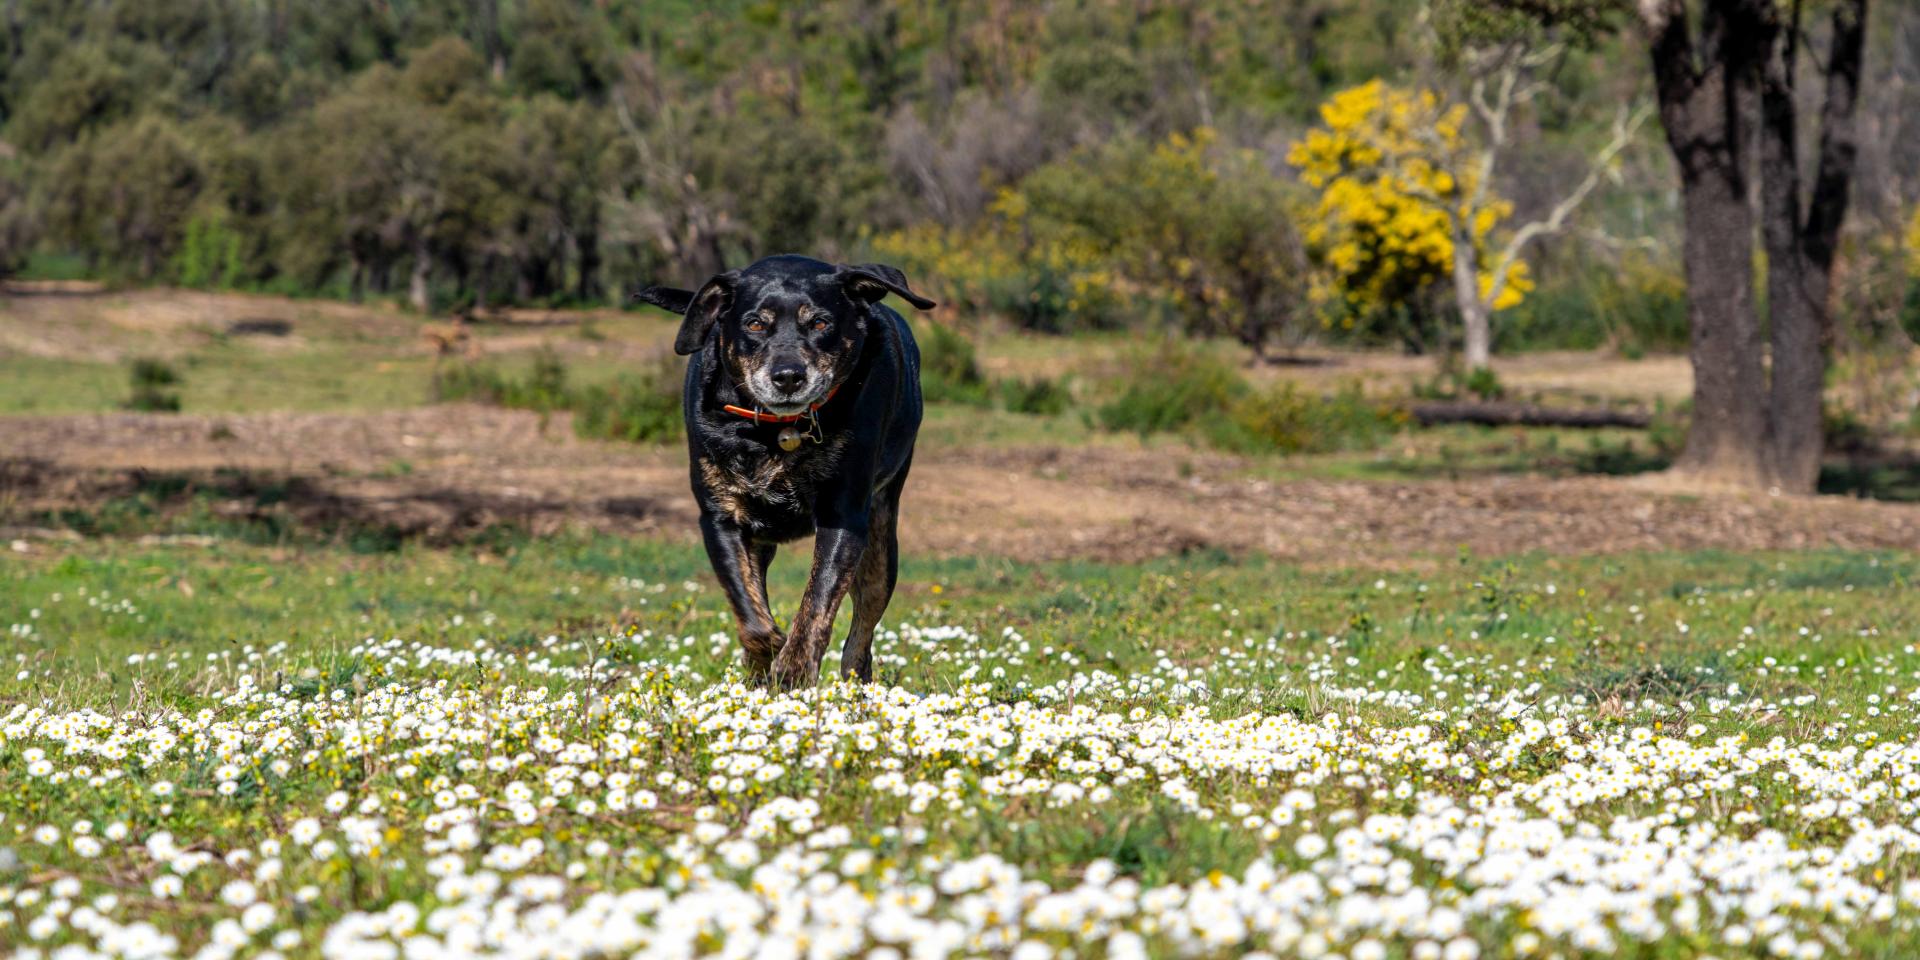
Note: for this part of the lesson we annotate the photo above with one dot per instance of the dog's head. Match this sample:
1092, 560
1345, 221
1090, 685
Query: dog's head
787, 328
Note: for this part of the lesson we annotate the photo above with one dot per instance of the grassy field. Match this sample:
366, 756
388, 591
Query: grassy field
542, 743
311, 670
71, 353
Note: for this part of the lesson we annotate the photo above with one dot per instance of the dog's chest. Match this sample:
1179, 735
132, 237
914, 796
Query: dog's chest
771, 488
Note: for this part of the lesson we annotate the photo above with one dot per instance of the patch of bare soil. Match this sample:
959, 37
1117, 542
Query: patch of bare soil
446, 474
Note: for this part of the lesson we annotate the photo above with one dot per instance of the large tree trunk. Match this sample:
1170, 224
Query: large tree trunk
1733, 88
1727, 441
1800, 247
1796, 313
1474, 319
1708, 101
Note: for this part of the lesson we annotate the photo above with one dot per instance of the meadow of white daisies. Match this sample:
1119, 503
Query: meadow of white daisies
1397, 785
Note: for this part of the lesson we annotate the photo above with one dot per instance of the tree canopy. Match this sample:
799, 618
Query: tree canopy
1063, 163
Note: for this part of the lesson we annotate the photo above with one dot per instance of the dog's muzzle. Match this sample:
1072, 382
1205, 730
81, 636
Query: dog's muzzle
787, 389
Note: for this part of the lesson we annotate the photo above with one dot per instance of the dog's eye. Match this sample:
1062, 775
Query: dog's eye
819, 325
756, 325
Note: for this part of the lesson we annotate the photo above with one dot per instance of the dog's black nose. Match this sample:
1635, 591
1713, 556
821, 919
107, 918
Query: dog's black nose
788, 376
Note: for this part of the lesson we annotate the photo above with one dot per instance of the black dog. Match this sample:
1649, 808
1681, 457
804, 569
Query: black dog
802, 403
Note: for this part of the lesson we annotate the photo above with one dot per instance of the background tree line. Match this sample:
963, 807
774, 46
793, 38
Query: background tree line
1371, 171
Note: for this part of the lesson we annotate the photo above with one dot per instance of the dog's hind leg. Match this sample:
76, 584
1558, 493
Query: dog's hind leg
872, 589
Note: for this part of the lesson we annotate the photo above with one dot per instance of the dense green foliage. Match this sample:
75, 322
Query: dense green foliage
949, 366
1065, 165
541, 149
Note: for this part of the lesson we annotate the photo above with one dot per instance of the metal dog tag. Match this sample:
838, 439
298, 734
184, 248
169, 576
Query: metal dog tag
789, 439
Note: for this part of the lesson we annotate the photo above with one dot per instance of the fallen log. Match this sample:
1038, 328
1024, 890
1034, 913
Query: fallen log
1498, 414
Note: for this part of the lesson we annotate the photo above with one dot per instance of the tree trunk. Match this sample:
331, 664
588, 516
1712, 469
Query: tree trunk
588, 287
1727, 441
491, 42
418, 293
1800, 248
1708, 101
1795, 319
1466, 296
483, 284
1732, 89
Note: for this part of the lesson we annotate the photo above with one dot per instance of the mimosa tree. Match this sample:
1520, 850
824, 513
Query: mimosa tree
1407, 200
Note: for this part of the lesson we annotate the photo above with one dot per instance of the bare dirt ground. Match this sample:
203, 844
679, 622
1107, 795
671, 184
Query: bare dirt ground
448, 473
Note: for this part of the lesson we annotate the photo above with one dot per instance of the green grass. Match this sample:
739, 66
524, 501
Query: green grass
337, 359
225, 378
42, 265
47, 385
1594, 617
574, 636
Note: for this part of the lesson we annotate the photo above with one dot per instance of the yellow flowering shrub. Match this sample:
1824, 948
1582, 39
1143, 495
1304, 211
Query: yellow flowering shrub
1393, 170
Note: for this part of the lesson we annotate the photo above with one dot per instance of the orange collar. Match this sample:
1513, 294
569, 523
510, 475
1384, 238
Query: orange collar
758, 417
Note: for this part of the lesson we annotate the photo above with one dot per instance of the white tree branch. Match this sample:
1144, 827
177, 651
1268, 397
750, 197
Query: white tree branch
1625, 124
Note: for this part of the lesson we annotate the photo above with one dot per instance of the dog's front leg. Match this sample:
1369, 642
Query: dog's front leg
742, 569
837, 545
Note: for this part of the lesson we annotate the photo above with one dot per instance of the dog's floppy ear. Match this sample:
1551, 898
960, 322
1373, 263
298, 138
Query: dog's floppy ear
670, 299
873, 281
701, 310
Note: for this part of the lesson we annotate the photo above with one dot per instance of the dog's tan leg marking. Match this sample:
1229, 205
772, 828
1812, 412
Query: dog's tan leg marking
799, 661
834, 564
760, 638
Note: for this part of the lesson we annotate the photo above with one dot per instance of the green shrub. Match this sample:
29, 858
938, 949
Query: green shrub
1285, 419
1190, 391
209, 256
1451, 384
1046, 396
474, 382
1185, 233
1176, 389
150, 379
1484, 384
1668, 431
545, 388
950, 367
641, 407
1637, 305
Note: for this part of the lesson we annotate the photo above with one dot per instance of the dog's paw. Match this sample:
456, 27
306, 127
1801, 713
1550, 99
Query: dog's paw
794, 673
857, 665
761, 646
